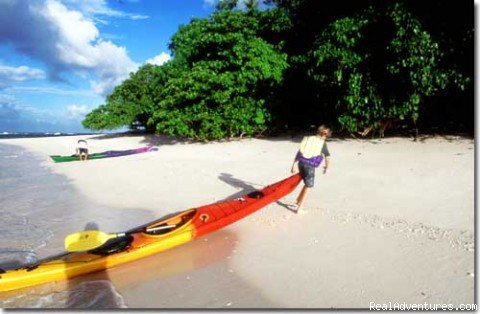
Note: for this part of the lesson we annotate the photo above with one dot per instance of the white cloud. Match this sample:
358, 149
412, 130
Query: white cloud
49, 90
75, 111
159, 59
9, 75
66, 40
79, 46
75, 33
100, 7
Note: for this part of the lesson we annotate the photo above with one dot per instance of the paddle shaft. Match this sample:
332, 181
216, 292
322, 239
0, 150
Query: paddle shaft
147, 229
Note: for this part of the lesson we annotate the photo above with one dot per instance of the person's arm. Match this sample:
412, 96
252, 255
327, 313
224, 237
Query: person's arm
326, 155
293, 164
327, 162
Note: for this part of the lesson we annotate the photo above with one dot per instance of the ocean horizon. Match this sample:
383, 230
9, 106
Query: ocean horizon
4, 135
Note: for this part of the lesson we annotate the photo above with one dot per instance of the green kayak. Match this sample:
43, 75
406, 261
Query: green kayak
107, 154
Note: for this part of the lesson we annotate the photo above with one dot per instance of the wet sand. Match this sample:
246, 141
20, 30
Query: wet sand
392, 221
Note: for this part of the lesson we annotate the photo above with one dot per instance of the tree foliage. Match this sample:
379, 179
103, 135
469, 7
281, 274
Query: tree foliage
244, 71
226, 86
381, 65
132, 103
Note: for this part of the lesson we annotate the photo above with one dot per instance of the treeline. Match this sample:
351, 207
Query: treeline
355, 66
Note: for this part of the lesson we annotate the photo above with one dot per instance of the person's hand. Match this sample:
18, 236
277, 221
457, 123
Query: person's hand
293, 169
324, 170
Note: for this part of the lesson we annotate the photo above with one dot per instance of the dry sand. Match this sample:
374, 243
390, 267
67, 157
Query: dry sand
392, 221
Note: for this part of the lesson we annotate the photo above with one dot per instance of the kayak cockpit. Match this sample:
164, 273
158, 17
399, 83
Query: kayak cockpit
173, 223
162, 227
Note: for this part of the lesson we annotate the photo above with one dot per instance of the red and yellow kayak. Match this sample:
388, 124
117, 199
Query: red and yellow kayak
169, 232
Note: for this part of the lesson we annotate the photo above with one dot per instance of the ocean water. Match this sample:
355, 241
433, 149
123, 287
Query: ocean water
38, 134
38, 209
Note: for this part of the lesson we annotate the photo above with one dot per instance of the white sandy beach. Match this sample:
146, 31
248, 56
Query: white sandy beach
392, 221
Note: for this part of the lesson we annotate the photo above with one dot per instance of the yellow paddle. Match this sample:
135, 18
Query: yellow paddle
92, 239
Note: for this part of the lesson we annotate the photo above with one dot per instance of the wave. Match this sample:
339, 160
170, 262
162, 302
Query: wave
98, 294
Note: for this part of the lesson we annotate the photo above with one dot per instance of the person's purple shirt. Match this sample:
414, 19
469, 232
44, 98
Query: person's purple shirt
314, 161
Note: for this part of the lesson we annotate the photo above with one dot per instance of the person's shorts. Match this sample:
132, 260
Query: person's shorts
83, 151
308, 174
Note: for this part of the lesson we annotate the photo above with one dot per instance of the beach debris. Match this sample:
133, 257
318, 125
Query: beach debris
313, 241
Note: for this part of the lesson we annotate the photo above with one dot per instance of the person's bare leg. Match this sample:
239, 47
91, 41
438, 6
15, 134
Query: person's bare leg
302, 195
301, 198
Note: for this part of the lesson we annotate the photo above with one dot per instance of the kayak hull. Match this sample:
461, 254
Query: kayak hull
189, 224
106, 154
81, 264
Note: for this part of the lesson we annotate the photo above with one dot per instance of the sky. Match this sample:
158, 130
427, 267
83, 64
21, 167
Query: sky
60, 58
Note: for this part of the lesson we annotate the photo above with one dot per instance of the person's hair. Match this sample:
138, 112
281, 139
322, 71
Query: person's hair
323, 130
82, 141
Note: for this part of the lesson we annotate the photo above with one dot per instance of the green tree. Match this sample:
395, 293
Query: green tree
378, 65
220, 83
308, 95
251, 5
133, 102
226, 88
226, 5
245, 71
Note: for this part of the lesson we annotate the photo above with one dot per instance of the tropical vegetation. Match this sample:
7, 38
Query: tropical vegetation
288, 65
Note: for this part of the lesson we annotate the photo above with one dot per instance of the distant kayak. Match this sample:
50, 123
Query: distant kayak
107, 154
103, 251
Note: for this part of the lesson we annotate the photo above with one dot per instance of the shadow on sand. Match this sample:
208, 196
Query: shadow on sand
246, 187
148, 139
286, 206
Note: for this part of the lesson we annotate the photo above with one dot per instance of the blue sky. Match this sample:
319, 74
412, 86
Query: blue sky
60, 58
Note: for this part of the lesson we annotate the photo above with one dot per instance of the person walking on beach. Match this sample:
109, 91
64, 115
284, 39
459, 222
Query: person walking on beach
82, 149
313, 149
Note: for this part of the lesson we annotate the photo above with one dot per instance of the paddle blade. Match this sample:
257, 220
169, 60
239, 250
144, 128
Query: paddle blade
86, 240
